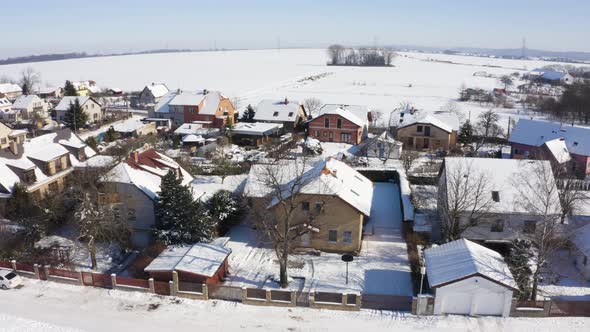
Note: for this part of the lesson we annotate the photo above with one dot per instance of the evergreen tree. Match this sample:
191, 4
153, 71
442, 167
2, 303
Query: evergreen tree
21, 204
75, 117
519, 263
110, 135
248, 115
179, 219
70, 90
25, 89
224, 210
175, 142
465, 135
91, 142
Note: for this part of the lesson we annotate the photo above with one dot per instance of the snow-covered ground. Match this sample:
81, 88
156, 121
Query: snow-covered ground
46, 306
565, 279
381, 268
427, 81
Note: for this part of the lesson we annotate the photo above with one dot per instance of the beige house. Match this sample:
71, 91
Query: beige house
331, 205
90, 106
25, 107
11, 91
289, 113
41, 163
428, 132
6, 113
152, 93
135, 128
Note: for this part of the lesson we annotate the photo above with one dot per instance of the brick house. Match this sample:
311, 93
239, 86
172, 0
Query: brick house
534, 139
210, 109
89, 106
428, 131
337, 125
338, 197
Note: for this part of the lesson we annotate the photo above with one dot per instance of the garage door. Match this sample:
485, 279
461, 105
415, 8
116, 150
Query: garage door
457, 303
489, 304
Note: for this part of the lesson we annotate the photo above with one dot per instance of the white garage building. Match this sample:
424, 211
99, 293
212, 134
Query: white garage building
469, 279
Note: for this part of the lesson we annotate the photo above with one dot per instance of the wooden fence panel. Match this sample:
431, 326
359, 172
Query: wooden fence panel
227, 293
162, 288
386, 302
256, 293
24, 267
184, 286
101, 280
63, 273
87, 278
328, 297
278, 295
570, 308
5, 264
133, 282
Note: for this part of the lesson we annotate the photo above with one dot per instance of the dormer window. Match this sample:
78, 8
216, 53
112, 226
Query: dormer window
575, 143
29, 176
290, 114
496, 196
275, 114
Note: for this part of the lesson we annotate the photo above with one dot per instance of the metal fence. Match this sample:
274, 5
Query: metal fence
386, 302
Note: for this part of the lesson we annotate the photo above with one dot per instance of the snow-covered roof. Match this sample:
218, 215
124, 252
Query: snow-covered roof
329, 177
146, 173
10, 88
444, 120
210, 101
157, 89
129, 126
48, 90
195, 129
361, 111
192, 138
537, 132
203, 259
54, 241
348, 115
256, 128
205, 186
277, 110
4, 101
461, 259
582, 239
502, 175
65, 102
23, 102
559, 150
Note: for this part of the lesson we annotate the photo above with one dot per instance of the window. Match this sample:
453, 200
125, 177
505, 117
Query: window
305, 206
419, 129
325, 134
529, 226
332, 235
58, 164
3, 141
317, 133
131, 214
498, 226
496, 196
347, 237
290, 114
585, 262
326, 123
318, 207
339, 123
53, 187
345, 137
275, 114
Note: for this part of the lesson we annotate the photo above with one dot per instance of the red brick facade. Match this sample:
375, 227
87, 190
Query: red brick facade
225, 110
335, 128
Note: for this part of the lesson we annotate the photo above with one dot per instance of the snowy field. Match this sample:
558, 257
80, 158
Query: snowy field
427, 81
381, 268
45, 306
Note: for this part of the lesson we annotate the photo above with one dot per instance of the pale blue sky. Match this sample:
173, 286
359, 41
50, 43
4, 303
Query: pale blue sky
42, 26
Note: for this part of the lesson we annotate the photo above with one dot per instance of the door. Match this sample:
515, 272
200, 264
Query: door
455, 302
427, 131
425, 144
488, 303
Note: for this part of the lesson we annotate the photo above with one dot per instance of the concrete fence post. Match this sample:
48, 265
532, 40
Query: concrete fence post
344, 299
205, 292
311, 299
359, 300
46, 270
152, 285
13, 263
36, 270
293, 298
113, 281
175, 280
172, 288
81, 278
244, 294
268, 295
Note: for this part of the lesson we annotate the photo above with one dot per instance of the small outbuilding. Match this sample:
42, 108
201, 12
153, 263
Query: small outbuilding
469, 279
205, 263
256, 133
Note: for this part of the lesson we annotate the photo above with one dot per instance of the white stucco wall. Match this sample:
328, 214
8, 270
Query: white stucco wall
473, 296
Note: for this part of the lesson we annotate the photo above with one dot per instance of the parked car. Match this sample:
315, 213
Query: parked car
9, 279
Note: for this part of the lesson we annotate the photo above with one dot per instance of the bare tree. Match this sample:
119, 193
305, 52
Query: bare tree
388, 56
336, 54
312, 106
376, 116
284, 213
97, 224
487, 127
464, 198
507, 81
539, 196
407, 159
30, 78
454, 108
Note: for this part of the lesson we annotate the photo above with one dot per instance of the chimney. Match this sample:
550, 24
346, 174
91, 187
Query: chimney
135, 156
178, 91
13, 146
205, 92
286, 101
153, 83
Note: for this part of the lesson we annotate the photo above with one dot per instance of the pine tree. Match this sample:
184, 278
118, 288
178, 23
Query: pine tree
519, 264
224, 210
465, 135
75, 117
70, 90
21, 203
91, 142
110, 135
249, 114
25, 89
179, 219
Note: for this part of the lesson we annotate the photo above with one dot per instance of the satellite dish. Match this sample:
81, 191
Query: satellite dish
347, 258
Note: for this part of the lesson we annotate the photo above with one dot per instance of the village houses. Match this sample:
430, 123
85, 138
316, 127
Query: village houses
89, 105
289, 113
25, 107
209, 109
337, 125
151, 93
11, 91
428, 131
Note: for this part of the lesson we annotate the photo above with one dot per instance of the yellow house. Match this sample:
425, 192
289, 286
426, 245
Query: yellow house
428, 132
327, 202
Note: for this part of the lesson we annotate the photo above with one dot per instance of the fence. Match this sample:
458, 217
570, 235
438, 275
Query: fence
386, 302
